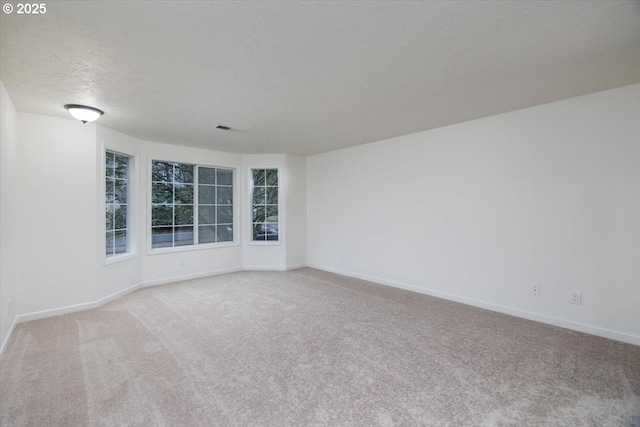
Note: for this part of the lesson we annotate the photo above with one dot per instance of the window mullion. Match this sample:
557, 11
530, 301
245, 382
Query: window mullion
194, 189
173, 207
196, 205
117, 175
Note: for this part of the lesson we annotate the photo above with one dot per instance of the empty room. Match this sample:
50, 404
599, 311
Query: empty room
320, 213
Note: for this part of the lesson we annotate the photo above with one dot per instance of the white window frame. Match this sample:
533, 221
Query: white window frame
131, 251
196, 246
250, 210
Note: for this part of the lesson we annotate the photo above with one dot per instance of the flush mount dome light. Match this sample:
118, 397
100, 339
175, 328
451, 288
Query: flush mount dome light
83, 113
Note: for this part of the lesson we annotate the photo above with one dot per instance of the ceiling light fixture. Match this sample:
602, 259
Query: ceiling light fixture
83, 113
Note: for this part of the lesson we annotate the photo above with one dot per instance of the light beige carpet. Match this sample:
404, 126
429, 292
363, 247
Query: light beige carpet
309, 348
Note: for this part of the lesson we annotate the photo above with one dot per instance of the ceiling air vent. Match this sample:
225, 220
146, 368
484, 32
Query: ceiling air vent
223, 127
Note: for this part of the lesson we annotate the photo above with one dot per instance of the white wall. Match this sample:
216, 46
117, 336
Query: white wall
8, 177
164, 267
291, 250
57, 210
60, 264
477, 212
125, 274
295, 193
267, 255
480, 211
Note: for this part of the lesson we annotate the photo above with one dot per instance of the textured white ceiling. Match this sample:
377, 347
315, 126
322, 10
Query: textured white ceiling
309, 77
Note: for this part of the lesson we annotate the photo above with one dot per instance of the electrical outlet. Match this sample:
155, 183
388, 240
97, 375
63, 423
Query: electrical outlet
576, 297
535, 290
183, 261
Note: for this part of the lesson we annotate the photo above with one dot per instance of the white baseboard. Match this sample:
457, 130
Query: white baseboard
77, 307
296, 266
102, 301
94, 304
174, 279
563, 323
262, 268
580, 327
272, 268
8, 337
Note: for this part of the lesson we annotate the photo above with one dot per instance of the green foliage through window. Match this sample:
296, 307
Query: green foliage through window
190, 204
265, 204
116, 203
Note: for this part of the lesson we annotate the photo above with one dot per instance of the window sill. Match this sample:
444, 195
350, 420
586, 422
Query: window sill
118, 258
265, 243
173, 249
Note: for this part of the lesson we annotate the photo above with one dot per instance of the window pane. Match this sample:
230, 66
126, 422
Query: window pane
225, 177
258, 234
109, 243
265, 231
120, 217
161, 237
206, 194
206, 175
271, 231
184, 194
120, 242
272, 214
161, 171
120, 191
259, 196
121, 166
161, 215
225, 195
116, 199
109, 218
272, 195
184, 215
272, 176
109, 190
207, 234
174, 213
259, 214
225, 215
109, 164
258, 177
224, 233
207, 214
183, 173
265, 204
162, 193
184, 236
